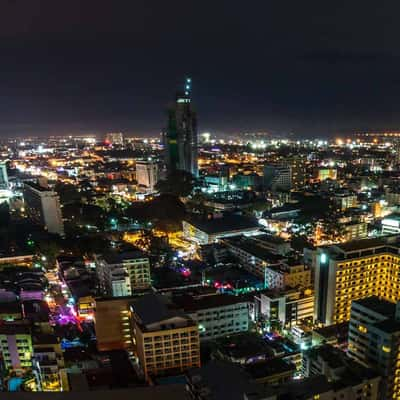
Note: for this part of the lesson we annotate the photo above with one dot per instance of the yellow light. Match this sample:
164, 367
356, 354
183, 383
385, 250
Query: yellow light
362, 329
386, 349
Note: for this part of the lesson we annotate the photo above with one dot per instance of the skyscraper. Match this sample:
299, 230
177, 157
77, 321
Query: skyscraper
181, 134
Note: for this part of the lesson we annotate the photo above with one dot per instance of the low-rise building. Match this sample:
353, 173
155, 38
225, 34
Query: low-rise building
206, 231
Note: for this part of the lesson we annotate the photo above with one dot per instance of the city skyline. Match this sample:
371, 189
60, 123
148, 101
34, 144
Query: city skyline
90, 68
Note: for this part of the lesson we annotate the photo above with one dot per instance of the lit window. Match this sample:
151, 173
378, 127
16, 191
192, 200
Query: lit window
362, 329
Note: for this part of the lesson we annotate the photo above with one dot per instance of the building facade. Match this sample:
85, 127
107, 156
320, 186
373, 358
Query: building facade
181, 134
147, 174
165, 340
374, 340
43, 207
352, 271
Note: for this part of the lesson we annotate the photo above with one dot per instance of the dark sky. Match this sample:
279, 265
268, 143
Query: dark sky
314, 68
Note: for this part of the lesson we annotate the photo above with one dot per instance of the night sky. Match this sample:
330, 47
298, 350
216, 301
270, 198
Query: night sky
314, 68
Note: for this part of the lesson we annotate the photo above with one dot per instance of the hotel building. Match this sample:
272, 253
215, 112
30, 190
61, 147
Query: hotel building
355, 270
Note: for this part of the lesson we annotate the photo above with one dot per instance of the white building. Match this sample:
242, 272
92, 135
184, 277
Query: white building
147, 174
290, 307
217, 315
391, 224
43, 207
120, 274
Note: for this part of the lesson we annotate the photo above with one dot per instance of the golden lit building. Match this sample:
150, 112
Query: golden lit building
165, 340
112, 324
352, 271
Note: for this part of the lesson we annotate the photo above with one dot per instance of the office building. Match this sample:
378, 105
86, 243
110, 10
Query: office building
166, 340
147, 174
278, 177
43, 207
120, 274
216, 315
181, 134
298, 167
16, 346
355, 270
115, 138
374, 340
3, 176
290, 307
112, 324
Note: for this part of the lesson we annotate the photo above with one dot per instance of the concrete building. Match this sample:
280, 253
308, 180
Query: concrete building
43, 207
48, 364
289, 307
3, 176
277, 177
344, 200
206, 231
120, 274
166, 340
16, 346
115, 138
391, 224
360, 381
354, 270
323, 173
113, 324
216, 315
374, 340
354, 231
147, 174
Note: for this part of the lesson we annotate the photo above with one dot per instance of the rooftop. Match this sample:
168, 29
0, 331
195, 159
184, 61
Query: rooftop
119, 258
224, 224
189, 303
378, 306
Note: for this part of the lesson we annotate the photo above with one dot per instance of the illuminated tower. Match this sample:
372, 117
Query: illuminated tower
181, 133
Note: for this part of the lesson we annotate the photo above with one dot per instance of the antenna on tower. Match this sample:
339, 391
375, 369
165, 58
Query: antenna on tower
188, 86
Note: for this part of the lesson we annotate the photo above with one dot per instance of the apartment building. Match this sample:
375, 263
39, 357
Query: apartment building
165, 339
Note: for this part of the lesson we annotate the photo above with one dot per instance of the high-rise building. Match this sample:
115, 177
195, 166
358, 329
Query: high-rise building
147, 174
181, 134
43, 207
3, 176
115, 138
355, 270
374, 340
166, 340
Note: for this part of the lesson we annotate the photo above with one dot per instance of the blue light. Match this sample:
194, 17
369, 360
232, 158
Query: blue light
324, 258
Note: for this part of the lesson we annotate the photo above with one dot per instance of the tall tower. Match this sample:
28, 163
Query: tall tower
181, 133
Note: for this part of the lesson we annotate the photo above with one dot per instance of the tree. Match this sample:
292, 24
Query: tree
179, 183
